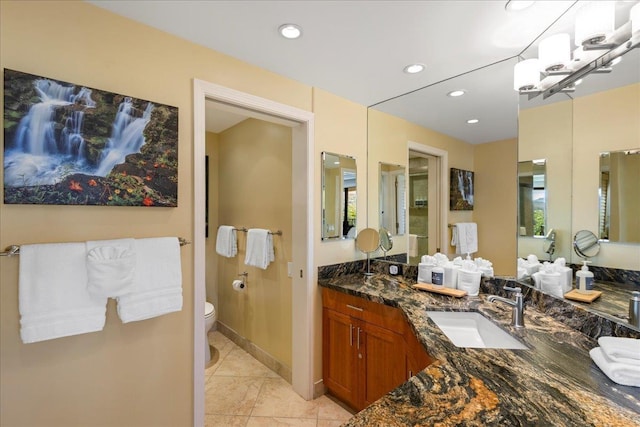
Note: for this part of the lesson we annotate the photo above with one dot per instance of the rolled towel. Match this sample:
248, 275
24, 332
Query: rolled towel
53, 298
157, 287
110, 267
624, 350
620, 373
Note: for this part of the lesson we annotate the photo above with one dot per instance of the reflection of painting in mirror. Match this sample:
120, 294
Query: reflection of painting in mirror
392, 198
339, 195
619, 196
531, 198
461, 190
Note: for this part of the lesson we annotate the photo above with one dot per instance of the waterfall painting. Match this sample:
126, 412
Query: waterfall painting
461, 190
67, 144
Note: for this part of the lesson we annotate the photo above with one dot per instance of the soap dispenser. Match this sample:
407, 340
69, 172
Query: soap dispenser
584, 279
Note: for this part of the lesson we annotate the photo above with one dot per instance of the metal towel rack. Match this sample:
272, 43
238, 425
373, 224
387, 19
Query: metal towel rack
14, 250
245, 230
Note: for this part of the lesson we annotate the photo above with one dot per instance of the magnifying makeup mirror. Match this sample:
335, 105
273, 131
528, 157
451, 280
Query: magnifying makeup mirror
368, 241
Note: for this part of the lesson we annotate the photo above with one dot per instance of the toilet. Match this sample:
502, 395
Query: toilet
209, 320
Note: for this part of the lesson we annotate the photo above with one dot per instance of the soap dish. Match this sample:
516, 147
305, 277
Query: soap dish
589, 297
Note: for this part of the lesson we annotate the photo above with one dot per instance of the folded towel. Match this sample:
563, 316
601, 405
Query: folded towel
621, 373
465, 237
413, 245
625, 350
424, 272
227, 241
110, 267
53, 298
157, 287
259, 248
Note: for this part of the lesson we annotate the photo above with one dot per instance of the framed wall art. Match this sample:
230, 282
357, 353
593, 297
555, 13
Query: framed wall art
461, 190
68, 144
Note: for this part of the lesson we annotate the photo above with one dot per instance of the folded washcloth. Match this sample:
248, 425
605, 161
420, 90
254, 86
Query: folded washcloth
621, 373
428, 259
53, 298
227, 241
441, 259
259, 248
157, 287
625, 350
110, 267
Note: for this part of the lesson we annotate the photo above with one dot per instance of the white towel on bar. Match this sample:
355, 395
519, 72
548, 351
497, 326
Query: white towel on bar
618, 349
464, 236
259, 248
157, 287
227, 241
53, 298
111, 266
621, 373
413, 245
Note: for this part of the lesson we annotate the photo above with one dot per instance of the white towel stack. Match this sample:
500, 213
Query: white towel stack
227, 241
619, 359
465, 237
259, 248
54, 301
157, 287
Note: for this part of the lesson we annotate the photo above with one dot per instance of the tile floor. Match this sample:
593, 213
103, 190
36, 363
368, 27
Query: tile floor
240, 391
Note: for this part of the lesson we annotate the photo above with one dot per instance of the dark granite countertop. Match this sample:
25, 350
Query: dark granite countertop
554, 383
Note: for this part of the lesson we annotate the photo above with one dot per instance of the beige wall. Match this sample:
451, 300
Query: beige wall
255, 192
606, 121
494, 207
137, 374
546, 133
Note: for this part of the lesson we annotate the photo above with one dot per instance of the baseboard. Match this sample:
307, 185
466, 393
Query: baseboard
260, 355
319, 389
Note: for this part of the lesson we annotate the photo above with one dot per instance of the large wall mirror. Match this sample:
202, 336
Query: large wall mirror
339, 196
619, 196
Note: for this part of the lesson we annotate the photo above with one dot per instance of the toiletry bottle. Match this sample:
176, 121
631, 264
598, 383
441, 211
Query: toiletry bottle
584, 279
437, 276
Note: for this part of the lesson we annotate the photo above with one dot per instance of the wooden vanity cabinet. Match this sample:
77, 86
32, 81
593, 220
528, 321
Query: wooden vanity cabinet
368, 348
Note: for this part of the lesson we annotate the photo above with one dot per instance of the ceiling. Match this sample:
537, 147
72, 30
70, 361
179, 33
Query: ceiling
358, 49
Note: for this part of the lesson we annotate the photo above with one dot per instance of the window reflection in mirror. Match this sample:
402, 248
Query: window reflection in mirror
619, 196
339, 196
532, 206
392, 198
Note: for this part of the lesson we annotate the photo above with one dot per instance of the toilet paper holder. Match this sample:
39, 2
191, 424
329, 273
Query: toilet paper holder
244, 276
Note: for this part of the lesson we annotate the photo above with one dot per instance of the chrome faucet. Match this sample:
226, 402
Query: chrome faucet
517, 318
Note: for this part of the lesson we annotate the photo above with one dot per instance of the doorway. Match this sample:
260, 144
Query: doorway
302, 229
427, 217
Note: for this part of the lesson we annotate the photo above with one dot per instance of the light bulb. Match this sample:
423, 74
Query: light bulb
595, 21
554, 52
526, 74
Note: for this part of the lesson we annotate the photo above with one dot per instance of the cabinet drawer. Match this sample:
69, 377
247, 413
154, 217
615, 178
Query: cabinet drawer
378, 314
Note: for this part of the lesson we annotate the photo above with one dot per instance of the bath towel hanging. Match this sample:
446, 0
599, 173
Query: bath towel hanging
227, 241
259, 248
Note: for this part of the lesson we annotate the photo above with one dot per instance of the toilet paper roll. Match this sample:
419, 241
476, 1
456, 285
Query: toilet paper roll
238, 286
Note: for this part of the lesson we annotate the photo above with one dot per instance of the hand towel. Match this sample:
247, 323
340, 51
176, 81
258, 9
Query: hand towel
413, 245
259, 248
53, 298
620, 373
625, 350
157, 287
110, 267
227, 241
465, 237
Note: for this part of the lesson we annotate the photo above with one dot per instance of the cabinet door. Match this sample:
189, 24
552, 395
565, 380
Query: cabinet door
417, 357
385, 362
338, 368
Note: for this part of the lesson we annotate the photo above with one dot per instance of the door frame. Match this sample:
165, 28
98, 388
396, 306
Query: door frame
303, 220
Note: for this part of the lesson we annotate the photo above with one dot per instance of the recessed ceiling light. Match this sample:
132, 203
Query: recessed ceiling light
472, 121
516, 5
456, 93
414, 68
290, 31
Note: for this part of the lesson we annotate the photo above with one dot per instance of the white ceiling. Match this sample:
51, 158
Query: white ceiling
357, 50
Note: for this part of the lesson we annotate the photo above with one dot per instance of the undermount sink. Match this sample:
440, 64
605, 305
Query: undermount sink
471, 329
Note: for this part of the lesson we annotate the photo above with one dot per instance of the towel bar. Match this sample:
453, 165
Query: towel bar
244, 230
15, 249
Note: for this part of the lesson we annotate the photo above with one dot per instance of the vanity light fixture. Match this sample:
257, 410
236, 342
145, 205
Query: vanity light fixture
290, 31
414, 68
517, 5
472, 121
456, 93
600, 46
